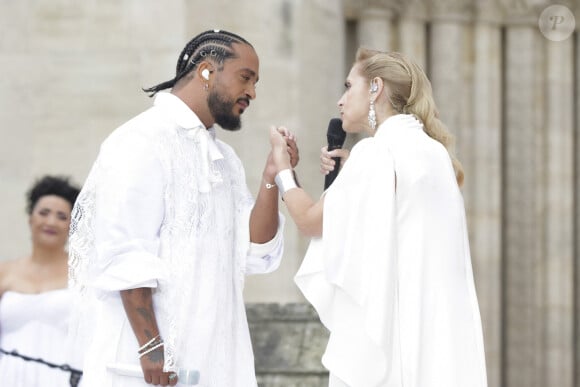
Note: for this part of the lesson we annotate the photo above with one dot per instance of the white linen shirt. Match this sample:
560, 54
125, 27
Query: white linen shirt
166, 206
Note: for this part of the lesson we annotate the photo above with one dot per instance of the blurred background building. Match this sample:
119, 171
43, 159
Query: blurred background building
505, 77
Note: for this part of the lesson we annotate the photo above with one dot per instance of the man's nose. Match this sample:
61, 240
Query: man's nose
251, 91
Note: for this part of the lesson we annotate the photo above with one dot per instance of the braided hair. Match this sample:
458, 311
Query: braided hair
212, 44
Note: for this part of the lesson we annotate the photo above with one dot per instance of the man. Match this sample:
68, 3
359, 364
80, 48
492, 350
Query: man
166, 228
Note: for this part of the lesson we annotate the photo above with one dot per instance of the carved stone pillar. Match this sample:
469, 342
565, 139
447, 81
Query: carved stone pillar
577, 206
375, 27
485, 215
467, 96
539, 220
559, 220
449, 74
413, 31
523, 210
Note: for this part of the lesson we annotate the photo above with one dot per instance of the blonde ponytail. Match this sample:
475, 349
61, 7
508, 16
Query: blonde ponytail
411, 93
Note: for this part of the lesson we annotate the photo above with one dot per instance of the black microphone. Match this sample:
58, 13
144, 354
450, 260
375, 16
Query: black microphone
335, 136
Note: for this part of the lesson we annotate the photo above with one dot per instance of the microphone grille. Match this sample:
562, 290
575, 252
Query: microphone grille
335, 134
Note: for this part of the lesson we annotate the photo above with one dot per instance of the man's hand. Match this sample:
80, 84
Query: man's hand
152, 365
280, 152
292, 148
138, 304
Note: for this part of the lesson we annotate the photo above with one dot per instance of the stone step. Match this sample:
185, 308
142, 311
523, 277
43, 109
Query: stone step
288, 342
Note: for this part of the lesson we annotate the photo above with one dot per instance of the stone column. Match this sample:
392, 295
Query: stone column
375, 27
444, 65
413, 32
523, 211
468, 99
559, 221
539, 221
577, 206
375, 30
448, 49
485, 181
576, 198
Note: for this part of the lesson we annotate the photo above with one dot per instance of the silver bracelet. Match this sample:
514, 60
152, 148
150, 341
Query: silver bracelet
147, 344
285, 181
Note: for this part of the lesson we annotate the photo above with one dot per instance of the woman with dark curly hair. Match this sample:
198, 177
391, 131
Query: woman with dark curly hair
34, 300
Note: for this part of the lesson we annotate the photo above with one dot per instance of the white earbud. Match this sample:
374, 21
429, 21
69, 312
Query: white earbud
205, 74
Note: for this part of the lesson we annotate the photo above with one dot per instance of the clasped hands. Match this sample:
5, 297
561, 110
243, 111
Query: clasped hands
284, 152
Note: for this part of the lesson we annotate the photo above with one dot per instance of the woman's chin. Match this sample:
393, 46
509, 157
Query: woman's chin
51, 243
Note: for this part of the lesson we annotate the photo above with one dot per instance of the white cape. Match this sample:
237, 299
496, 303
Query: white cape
391, 277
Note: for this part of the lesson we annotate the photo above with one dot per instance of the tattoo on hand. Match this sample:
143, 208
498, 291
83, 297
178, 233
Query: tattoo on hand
156, 356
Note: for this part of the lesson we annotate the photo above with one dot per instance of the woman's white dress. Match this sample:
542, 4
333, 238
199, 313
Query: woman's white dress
34, 325
391, 277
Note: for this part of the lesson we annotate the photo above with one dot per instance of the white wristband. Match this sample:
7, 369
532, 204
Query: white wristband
285, 181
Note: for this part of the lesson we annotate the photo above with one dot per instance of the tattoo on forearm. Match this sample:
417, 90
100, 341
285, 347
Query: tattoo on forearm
146, 314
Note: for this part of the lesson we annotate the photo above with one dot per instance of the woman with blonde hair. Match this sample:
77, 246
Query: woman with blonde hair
389, 268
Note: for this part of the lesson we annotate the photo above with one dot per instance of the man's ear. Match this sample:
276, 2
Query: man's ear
204, 70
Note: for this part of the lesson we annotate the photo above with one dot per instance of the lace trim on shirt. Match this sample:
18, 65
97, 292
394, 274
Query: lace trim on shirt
191, 192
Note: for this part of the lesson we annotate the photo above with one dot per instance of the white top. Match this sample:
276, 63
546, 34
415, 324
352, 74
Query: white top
391, 277
35, 326
166, 206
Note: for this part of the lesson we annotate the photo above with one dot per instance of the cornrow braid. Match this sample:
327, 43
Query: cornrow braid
215, 45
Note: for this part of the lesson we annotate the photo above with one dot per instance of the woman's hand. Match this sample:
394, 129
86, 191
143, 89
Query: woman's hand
327, 164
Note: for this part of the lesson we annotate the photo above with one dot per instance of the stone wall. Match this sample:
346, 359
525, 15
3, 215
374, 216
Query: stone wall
288, 341
73, 72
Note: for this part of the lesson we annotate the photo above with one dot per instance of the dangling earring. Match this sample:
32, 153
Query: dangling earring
372, 116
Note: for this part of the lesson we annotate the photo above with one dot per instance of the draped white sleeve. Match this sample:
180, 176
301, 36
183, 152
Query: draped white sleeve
391, 277
129, 201
353, 287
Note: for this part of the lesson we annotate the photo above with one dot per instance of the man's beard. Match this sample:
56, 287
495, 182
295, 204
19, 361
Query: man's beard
222, 111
